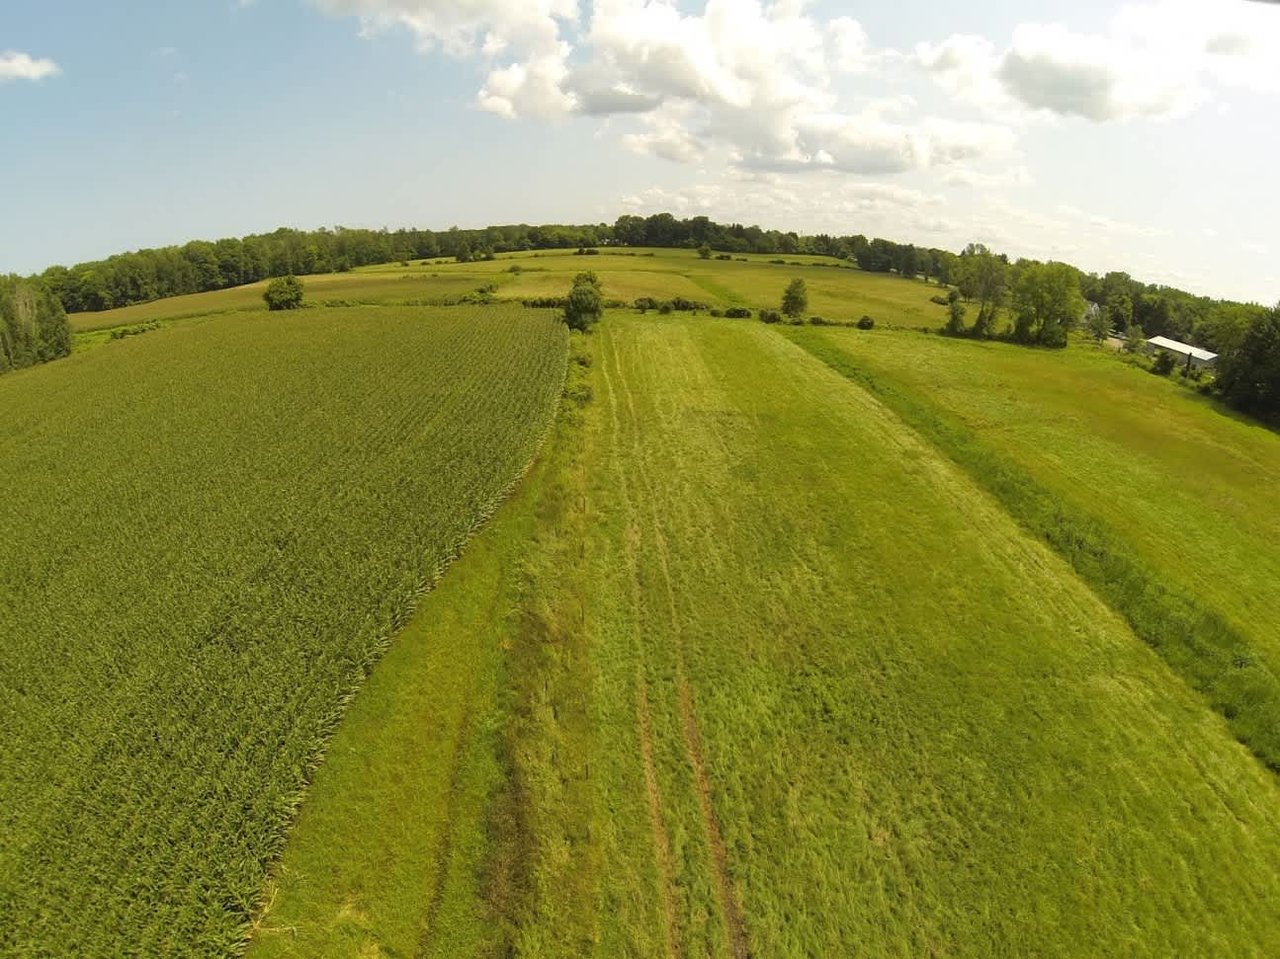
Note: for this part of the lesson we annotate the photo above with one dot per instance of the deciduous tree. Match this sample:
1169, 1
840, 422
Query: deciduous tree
1250, 373
585, 303
1046, 303
284, 293
795, 300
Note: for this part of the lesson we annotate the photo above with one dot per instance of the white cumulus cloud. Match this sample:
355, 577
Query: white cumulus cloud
751, 79
23, 66
1154, 59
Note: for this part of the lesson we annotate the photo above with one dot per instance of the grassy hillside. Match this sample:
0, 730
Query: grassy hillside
836, 291
782, 679
1192, 489
207, 535
1165, 505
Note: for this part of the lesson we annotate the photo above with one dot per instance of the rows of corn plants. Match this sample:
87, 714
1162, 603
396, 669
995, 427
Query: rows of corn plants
207, 536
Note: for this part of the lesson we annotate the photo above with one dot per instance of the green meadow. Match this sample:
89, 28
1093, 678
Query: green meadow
782, 677
434, 630
836, 291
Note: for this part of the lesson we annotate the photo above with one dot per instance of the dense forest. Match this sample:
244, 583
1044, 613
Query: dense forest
33, 324
1042, 300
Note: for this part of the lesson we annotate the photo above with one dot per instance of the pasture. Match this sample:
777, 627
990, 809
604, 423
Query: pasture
836, 292
1163, 502
208, 535
781, 677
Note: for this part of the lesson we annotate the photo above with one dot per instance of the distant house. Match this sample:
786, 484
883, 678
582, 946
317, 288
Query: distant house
1194, 357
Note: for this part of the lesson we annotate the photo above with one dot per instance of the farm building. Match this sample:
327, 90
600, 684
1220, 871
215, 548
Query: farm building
1193, 357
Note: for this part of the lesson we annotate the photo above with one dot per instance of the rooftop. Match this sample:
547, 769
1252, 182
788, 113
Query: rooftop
1164, 343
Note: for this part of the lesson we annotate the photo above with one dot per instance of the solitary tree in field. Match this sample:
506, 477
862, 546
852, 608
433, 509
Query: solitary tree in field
704, 251
795, 300
583, 308
284, 293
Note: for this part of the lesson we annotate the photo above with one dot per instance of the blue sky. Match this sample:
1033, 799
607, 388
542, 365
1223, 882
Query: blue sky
1138, 136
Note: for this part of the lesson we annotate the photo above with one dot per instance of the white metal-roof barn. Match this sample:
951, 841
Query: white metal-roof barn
1194, 357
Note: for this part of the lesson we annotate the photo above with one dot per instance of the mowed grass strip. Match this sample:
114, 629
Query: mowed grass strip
919, 733
207, 536
1162, 503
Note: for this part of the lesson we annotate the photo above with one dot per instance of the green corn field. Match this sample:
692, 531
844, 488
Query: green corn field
207, 535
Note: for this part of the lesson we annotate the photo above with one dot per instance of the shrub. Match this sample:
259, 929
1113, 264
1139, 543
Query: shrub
717, 313
1162, 363
127, 331
687, 306
723, 256
738, 313
584, 306
778, 262
646, 303
587, 251
664, 309
818, 321
940, 300
866, 323
284, 293
770, 316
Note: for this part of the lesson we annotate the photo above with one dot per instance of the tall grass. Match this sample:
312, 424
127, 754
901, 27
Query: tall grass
1207, 651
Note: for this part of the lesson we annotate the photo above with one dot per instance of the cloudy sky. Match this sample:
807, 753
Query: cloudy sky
1141, 136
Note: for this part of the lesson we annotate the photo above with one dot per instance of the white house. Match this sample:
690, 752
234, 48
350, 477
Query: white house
1194, 357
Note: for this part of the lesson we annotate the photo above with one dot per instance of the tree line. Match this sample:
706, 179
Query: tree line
1023, 300
202, 266
1039, 303
33, 324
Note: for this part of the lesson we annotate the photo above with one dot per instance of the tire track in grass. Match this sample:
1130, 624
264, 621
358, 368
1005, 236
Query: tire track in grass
730, 907
444, 853
653, 791
731, 912
661, 844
